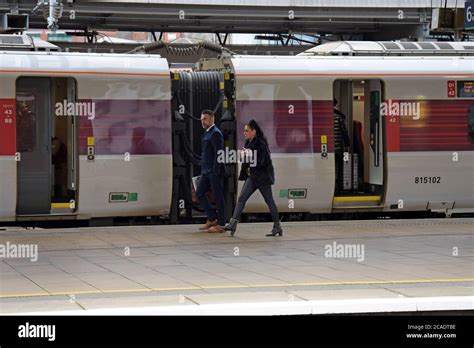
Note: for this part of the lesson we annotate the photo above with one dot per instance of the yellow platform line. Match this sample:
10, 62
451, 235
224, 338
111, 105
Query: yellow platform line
356, 198
243, 286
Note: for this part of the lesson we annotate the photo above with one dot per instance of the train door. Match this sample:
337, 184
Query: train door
374, 136
193, 92
63, 142
33, 145
45, 146
359, 146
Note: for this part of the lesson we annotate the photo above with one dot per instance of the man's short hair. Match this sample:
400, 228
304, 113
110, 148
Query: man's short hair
207, 112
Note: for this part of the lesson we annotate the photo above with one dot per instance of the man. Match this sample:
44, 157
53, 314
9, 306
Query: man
212, 174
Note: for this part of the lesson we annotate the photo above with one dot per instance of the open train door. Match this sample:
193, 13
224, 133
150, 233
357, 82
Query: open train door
33, 145
46, 146
359, 144
374, 137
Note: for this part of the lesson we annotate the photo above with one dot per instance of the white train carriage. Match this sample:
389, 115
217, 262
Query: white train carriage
69, 125
409, 117
105, 135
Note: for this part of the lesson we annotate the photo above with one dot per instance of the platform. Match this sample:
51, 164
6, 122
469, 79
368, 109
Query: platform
406, 266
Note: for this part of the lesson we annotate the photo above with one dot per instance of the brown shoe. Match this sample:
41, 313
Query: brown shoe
215, 229
208, 225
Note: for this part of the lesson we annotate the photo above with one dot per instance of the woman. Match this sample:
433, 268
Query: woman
260, 176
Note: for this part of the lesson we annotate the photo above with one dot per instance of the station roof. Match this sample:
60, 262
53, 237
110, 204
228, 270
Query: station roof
348, 17
295, 3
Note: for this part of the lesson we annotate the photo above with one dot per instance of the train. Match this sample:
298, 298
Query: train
86, 136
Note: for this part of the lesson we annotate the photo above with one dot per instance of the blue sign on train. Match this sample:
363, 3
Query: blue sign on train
469, 15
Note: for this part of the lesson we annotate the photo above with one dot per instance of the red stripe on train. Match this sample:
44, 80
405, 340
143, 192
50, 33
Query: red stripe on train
441, 126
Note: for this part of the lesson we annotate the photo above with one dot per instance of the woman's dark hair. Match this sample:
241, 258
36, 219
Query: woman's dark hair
256, 127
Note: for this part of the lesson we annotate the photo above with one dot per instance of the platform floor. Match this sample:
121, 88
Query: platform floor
177, 268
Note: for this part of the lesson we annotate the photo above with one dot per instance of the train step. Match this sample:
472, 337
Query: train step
357, 201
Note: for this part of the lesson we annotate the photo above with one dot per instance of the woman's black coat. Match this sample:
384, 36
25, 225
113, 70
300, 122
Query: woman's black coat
262, 173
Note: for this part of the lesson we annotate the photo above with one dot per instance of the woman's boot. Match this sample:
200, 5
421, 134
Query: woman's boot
231, 226
277, 230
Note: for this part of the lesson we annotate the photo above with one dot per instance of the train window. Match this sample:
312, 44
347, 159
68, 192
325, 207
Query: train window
465, 89
26, 121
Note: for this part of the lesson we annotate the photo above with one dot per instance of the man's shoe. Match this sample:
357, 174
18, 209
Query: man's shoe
208, 225
215, 229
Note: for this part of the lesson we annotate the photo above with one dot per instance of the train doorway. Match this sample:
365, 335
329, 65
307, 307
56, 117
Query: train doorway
46, 146
358, 144
193, 92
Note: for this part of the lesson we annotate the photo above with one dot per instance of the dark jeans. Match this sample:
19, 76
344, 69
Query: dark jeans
215, 183
247, 190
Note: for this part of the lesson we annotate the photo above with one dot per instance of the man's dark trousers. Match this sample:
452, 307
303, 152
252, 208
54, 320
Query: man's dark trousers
216, 184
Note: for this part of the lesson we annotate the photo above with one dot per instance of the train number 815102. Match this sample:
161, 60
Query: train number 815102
427, 180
